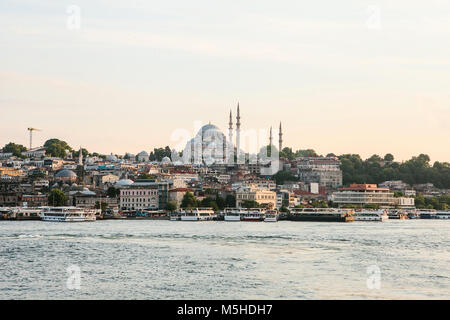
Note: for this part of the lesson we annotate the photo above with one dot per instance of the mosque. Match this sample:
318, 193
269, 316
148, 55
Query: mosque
211, 146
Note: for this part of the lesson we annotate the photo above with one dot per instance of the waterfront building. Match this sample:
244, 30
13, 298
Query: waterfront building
34, 200
325, 171
139, 197
364, 194
263, 197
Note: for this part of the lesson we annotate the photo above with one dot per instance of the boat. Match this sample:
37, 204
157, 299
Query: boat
321, 215
398, 214
197, 214
231, 214
442, 214
413, 214
370, 215
68, 214
427, 214
253, 214
21, 213
271, 216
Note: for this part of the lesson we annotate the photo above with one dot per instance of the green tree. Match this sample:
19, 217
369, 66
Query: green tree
209, 202
282, 176
250, 204
230, 201
146, 176
103, 206
112, 192
57, 198
388, 157
15, 149
171, 206
57, 148
306, 153
189, 201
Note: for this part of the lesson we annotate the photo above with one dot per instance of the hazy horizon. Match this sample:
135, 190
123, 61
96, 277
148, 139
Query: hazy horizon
350, 77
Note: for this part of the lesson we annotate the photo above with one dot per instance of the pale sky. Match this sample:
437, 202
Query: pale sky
367, 77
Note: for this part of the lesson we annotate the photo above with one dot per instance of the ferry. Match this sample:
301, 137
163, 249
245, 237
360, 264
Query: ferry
321, 214
427, 214
397, 214
68, 214
197, 214
442, 214
271, 216
370, 215
21, 213
253, 214
233, 214
413, 214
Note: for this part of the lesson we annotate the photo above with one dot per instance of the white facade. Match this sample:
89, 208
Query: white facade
139, 198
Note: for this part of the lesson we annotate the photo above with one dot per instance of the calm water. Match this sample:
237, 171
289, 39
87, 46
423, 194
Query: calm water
125, 259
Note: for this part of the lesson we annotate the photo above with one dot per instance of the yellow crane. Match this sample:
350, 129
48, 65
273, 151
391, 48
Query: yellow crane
31, 135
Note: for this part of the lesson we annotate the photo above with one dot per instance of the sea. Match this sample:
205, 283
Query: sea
154, 259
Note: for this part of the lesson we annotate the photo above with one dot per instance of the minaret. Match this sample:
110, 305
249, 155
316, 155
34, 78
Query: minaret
230, 129
270, 139
80, 157
280, 141
238, 132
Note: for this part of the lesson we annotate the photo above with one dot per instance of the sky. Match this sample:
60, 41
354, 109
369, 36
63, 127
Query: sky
366, 77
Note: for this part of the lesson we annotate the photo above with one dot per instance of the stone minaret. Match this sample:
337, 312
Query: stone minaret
238, 132
280, 141
80, 157
271, 138
230, 129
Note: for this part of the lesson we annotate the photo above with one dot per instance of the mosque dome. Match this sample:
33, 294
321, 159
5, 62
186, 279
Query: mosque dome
208, 146
123, 183
111, 157
66, 173
166, 160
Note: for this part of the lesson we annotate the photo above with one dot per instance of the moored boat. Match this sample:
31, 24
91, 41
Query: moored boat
254, 214
321, 215
271, 216
370, 215
197, 214
68, 214
233, 214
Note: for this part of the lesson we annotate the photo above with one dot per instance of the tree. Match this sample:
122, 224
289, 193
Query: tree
230, 201
15, 149
250, 204
284, 209
388, 157
287, 153
112, 192
282, 176
306, 153
209, 202
189, 201
57, 148
171, 206
146, 176
57, 198
103, 206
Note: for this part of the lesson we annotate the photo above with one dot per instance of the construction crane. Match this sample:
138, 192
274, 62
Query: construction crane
31, 135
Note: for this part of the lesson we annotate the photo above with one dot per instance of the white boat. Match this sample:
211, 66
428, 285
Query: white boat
68, 214
233, 214
371, 215
254, 214
442, 215
197, 214
271, 216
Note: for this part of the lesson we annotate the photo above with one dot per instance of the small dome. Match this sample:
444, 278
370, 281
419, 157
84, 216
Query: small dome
66, 173
165, 160
123, 183
143, 154
111, 157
